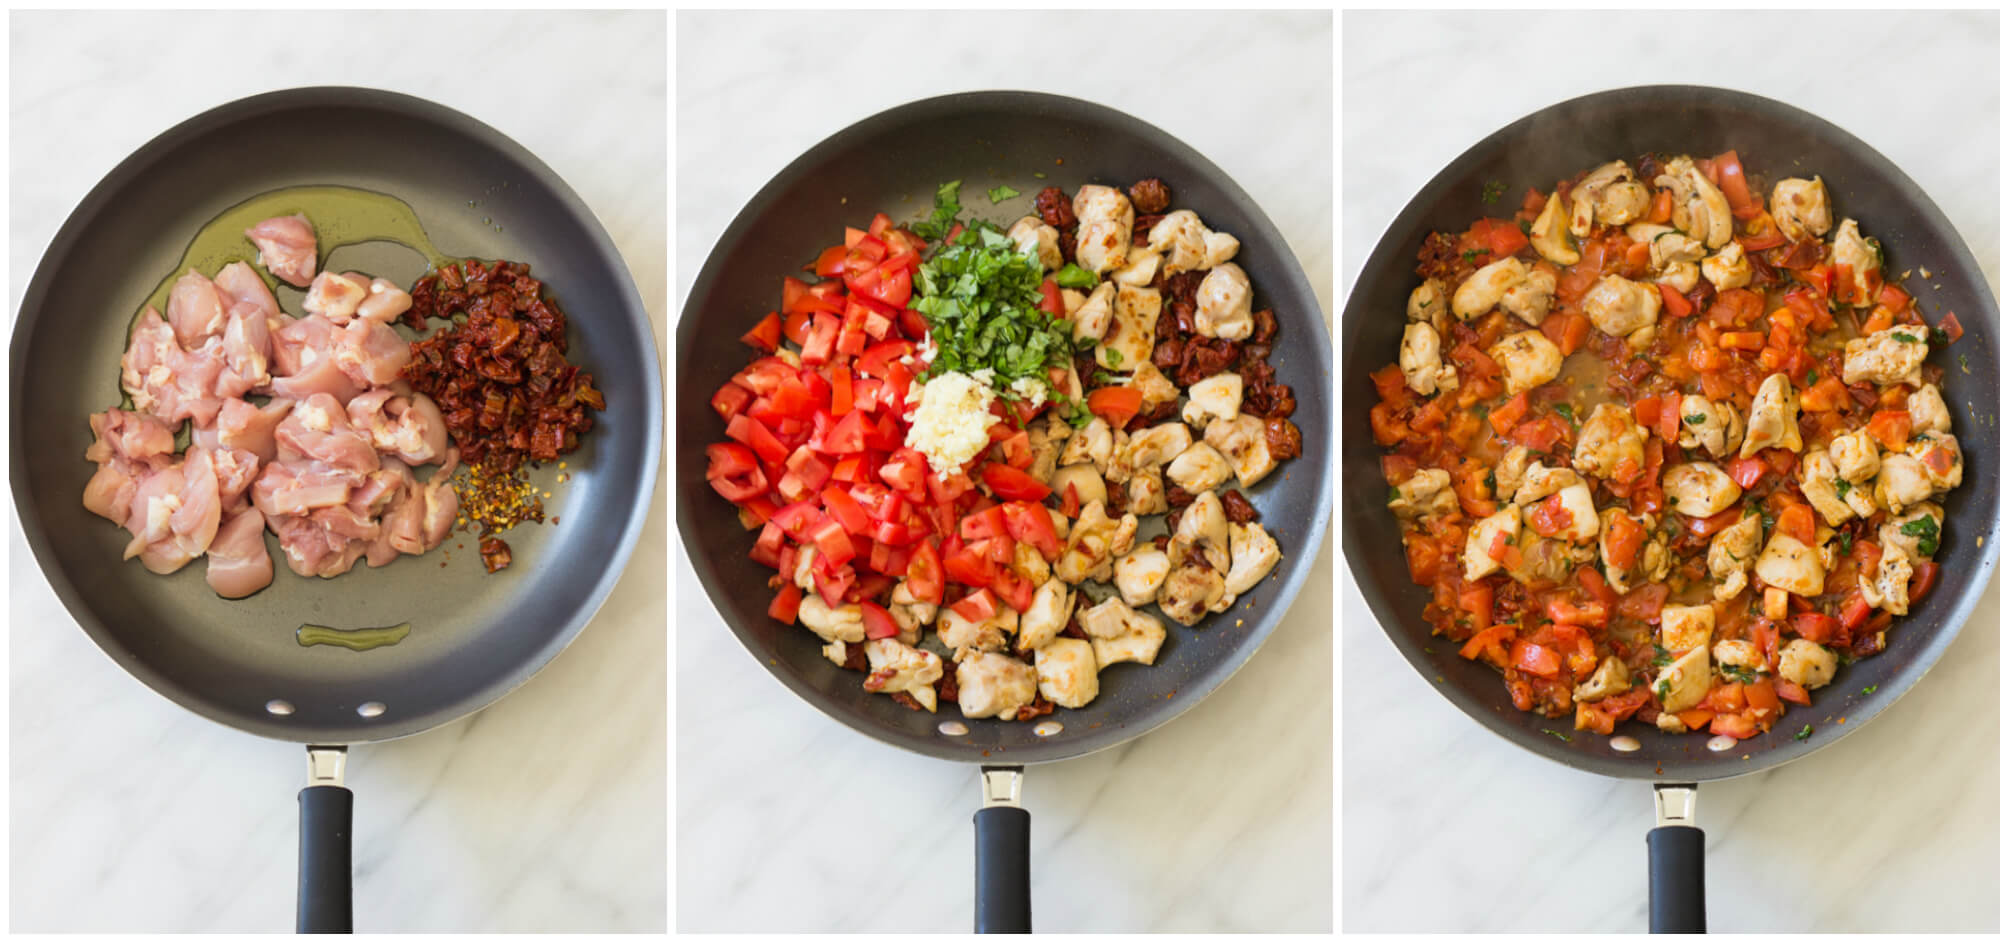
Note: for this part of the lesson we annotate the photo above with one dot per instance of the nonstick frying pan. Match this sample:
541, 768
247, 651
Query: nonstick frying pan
474, 636
892, 162
1775, 140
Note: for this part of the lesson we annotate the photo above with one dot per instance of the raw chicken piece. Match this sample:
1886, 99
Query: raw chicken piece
289, 489
403, 510
238, 563
335, 297
166, 380
324, 377
175, 514
371, 353
240, 286
318, 429
285, 247
408, 426
236, 470
247, 350
241, 425
311, 550
297, 343
442, 503
194, 309
128, 447
385, 303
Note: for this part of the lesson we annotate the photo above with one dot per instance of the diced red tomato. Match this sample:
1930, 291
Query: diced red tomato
1029, 523
1049, 298
765, 335
1011, 484
925, 578
1115, 404
787, 602
1536, 659
730, 400
733, 472
977, 606
878, 622
833, 543
1746, 472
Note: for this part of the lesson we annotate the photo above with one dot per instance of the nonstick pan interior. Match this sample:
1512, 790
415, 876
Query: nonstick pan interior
892, 162
474, 636
1774, 140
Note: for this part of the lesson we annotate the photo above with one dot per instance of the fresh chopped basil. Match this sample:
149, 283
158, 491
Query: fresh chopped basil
1695, 419
1870, 690
999, 194
1926, 530
1567, 412
1528, 229
1805, 732
1661, 657
1844, 542
981, 300
1739, 673
1938, 337
1813, 376
1492, 483
948, 205
1492, 191
1842, 486
1564, 738
1113, 357
1469, 254
1663, 689
1907, 338
1394, 494
1075, 277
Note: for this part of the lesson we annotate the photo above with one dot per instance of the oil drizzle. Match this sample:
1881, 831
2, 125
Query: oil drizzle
341, 216
355, 640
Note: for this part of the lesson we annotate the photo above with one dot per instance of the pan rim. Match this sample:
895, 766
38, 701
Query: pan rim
1011, 99
90, 207
1387, 253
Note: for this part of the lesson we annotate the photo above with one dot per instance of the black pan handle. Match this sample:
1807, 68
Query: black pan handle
1674, 863
326, 812
1004, 854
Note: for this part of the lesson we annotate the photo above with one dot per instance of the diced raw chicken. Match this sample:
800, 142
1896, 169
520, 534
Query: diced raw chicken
285, 247
299, 342
240, 286
175, 514
238, 562
236, 471
324, 378
289, 489
194, 309
312, 550
371, 353
247, 350
442, 503
410, 427
403, 520
318, 429
166, 380
241, 425
336, 296
128, 447
385, 303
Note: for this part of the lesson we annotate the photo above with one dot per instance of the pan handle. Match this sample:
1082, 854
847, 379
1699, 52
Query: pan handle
1004, 854
1674, 863
326, 813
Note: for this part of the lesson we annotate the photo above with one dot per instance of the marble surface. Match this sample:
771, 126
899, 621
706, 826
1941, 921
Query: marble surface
1220, 820
545, 811
1447, 827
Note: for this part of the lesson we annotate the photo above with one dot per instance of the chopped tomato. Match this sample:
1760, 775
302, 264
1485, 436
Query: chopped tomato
1491, 640
1535, 659
766, 335
1892, 428
1550, 517
734, 472
1923, 579
1814, 626
1951, 325
1797, 522
1115, 404
977, 606
878, 622
1030, 524
1746, 472
787, 602
925, 579
1010, 483
1624, 537
1677, 304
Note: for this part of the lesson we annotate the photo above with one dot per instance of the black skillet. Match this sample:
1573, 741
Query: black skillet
474, 636
1775, 140
892, 162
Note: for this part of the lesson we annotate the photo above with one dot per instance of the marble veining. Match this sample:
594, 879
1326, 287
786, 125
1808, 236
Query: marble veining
545, 811
1447, 827
787, 820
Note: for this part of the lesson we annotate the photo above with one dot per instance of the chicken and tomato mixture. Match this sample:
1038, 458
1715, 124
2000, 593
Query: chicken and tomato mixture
963, 437
1667, 449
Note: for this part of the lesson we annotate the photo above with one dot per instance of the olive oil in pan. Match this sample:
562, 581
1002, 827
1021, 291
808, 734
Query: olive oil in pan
355, 640
340, 215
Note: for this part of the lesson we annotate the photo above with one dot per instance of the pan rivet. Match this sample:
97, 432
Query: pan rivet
278, 708
952, 728
1047, 729
1624, 744
370, 708
1719, 744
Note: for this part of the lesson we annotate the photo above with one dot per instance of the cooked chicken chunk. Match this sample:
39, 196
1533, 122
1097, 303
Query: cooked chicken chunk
1190, 591
1479, 560
1202, 533
1731, 553
1939, 454
1806, 664
1737, 653
1684, 683
1610, 195
1863, 257
1716, 428
1089, 546
1913, 535
1512, 467
1666, 245
1426, 494
1610, 439
1699, 489
1140, 572
1042, 621
1800, 207
1928, 410
909, 613
1102, 242
1728, 268
1821, 482
1066, 670
1650, 563
1037, 241
1422, 360
1546, 560
1482, 290
1611, 677
1686, 627
1152, 384
1245, 444
1622, 307
1529, 300
846, 622
1133, 331
1550, 234
1120, 633
1222, 304
1528, 358
1775, 418
992, 685
1791, 565
1699, 207
1892, 355
1145, 492
1220, 397
1153, 447
1091, 320
897, 668
1092, 444
1141, 270
1255, 553
1901, 482
1188, 245
962, 635
1856, 455
1198, 468
1430, 304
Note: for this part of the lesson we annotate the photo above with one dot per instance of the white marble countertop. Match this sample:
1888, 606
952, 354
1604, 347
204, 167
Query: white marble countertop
544, 812
788, 820
1894, 828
